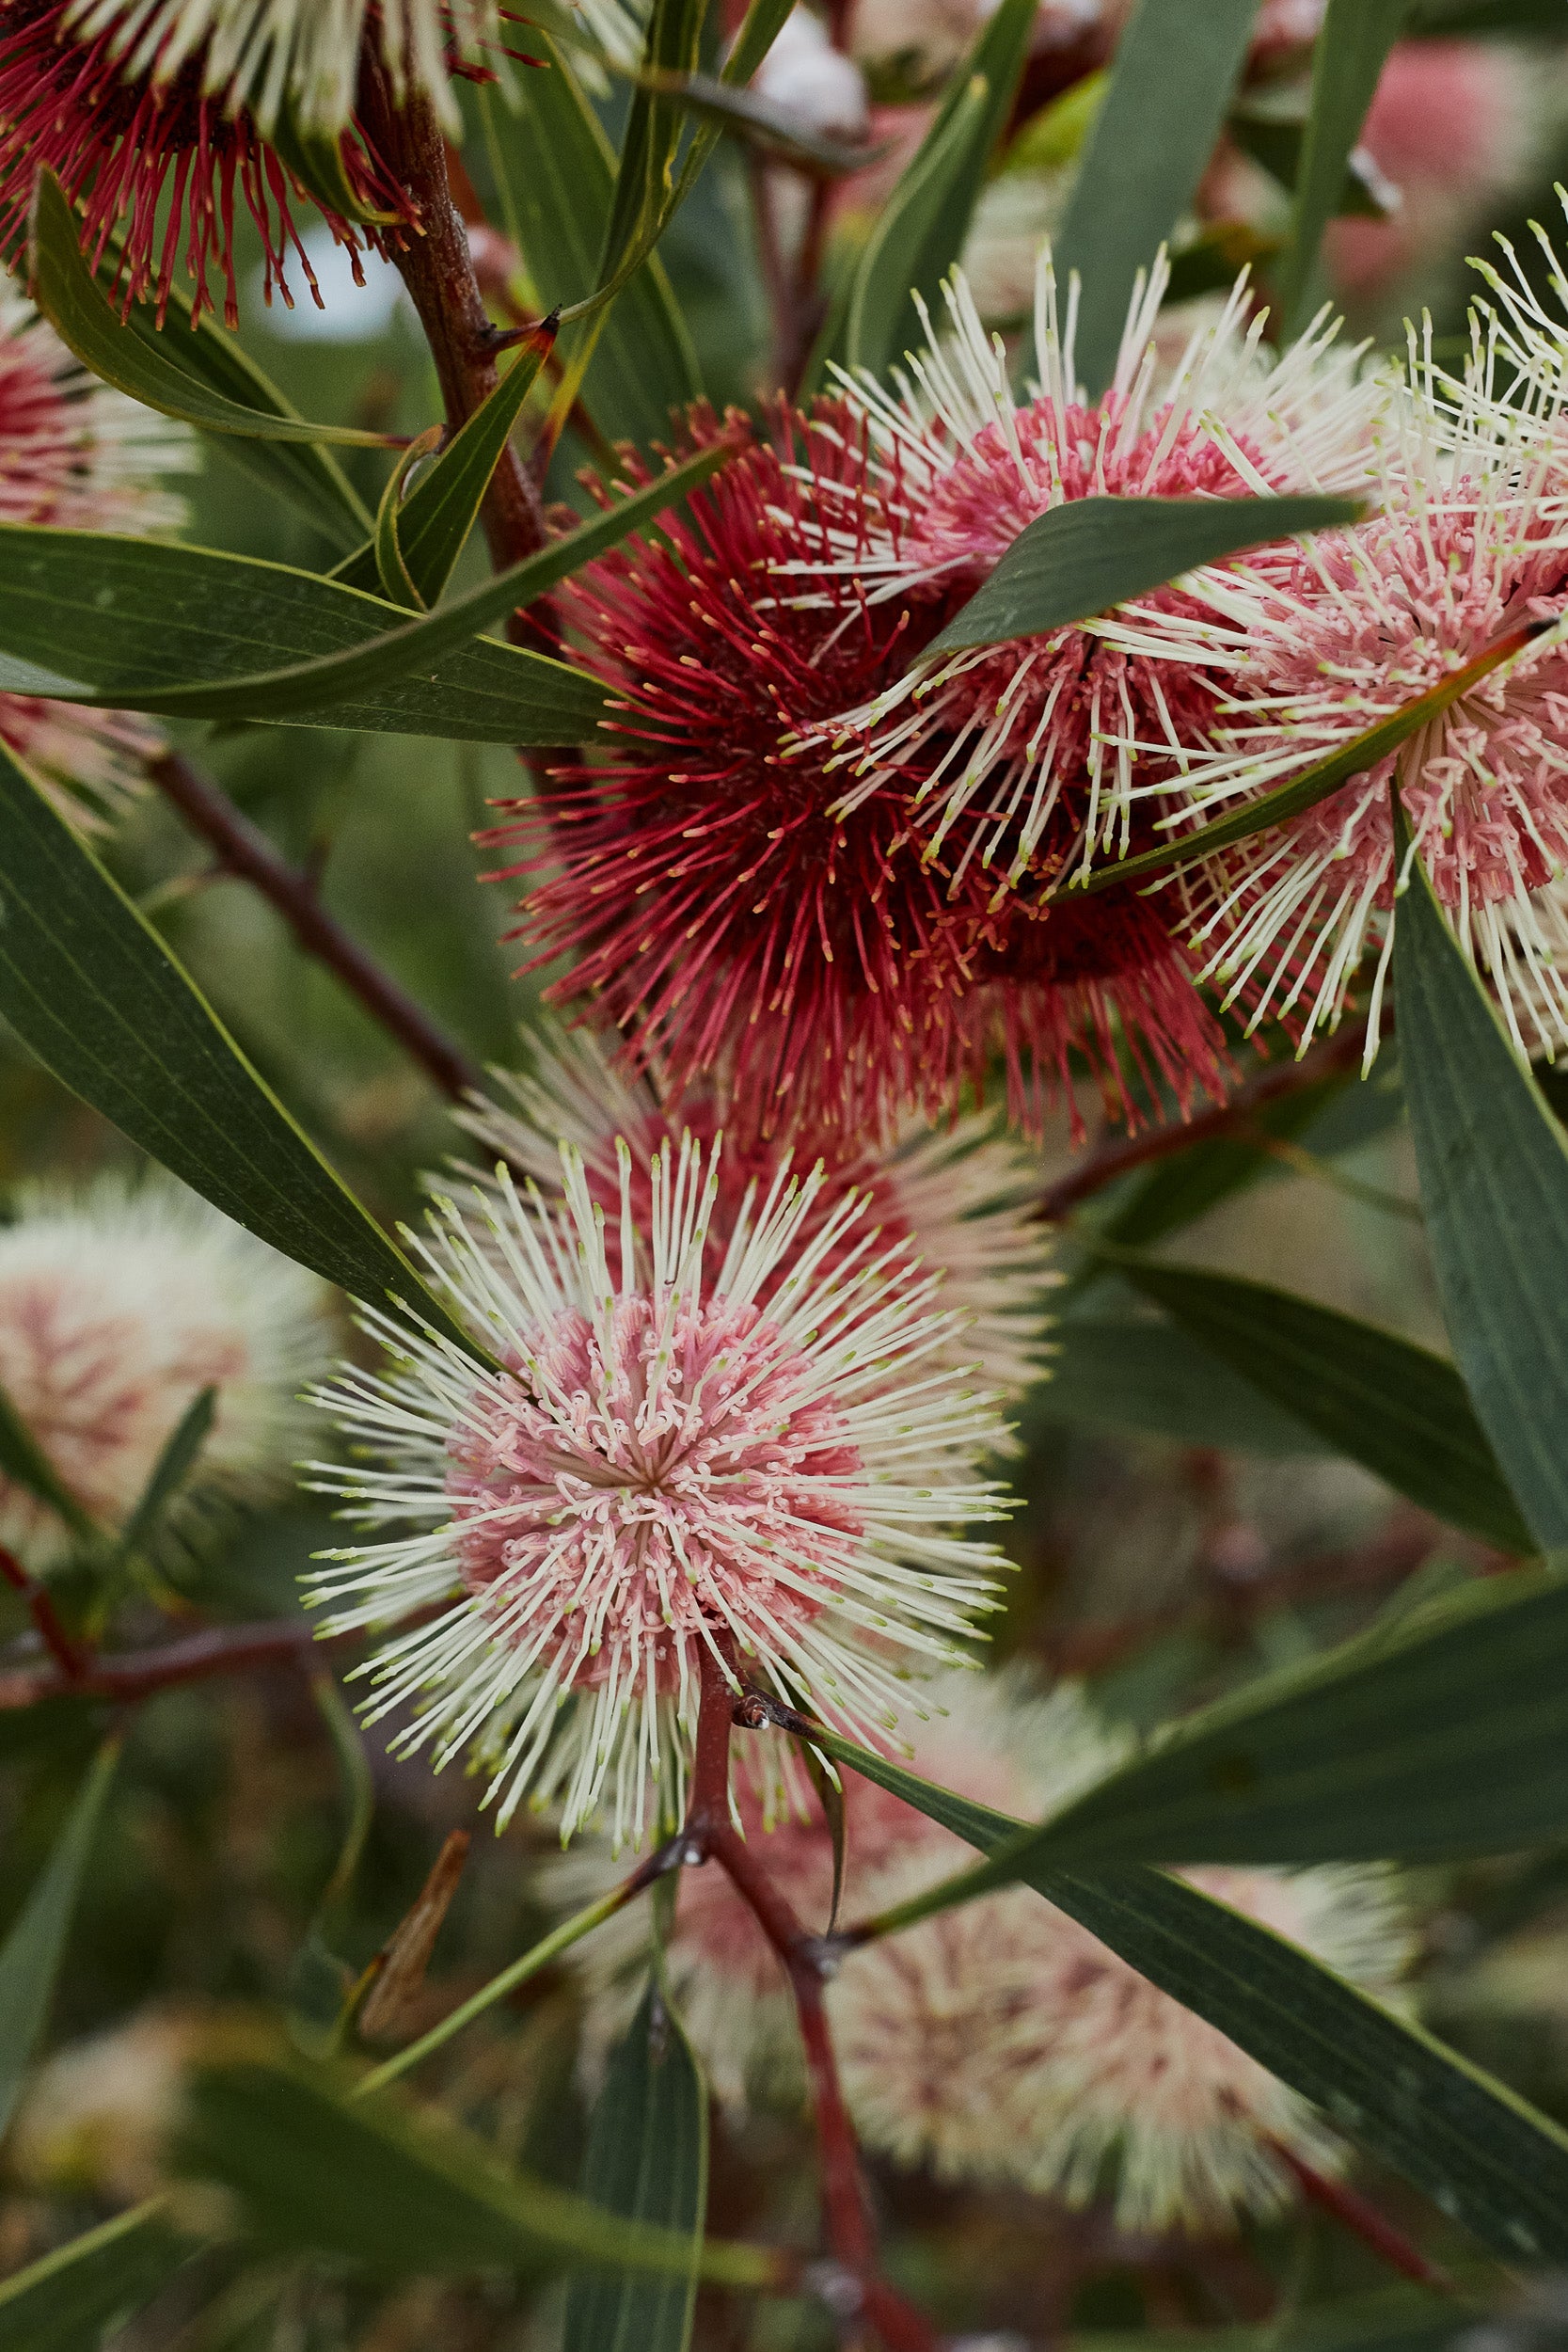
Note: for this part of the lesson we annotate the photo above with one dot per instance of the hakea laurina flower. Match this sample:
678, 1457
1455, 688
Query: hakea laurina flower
1466, 560
658, 1468
118, 1305
734, 917
986, 1736
1002, 2041
77, 455
954, 1203
1025, 738
157, 114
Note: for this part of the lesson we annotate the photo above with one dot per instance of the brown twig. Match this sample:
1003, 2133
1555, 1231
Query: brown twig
1364, 2221
71, 1662
142, 1674
710, 1836
242, 849
1274, 1082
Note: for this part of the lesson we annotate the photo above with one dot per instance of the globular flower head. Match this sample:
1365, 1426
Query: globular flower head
79, 456
953, 1202
721, 908
658, 1469
157, 114
117, 1306
1027, 740
1003, 2042
1466, 558
985, 1736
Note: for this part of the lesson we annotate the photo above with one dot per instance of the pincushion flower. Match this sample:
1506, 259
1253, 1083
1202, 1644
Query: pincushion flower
117, 1306
1467, 558
1002, 2041
156, 114
77, 455
989, 1737
658, 1468
954, 1203
1028, 736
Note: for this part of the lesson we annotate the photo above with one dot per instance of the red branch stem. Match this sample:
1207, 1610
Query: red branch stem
142, 1674
71, 1662
1364, 2221
242, 849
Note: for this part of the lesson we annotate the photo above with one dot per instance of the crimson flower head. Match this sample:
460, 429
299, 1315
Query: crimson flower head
713, 899
158, 114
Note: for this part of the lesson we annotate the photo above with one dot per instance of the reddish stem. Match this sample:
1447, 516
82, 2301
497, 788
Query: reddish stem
141, 1673
1364, 2221
74, 1663
243, 850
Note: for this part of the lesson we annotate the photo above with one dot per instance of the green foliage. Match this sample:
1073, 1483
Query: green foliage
1354, 41
30, 1956
647, 2160
67, 2301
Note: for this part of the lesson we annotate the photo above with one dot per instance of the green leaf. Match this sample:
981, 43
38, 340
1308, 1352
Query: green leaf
374, 2182
174, 1464
319, 1980
91, 990
1276, 137
315, 156
1178, 1190
31, 1954
1398, 1410
1487, 2157
647, 2160
67, 294
1314, 784
67, 2301
1136, 1372
1353, 42
771, 129
433, 522
137, 619
1493, 1176
1175, 66
921, 230
1089, 554
25, 1460
555, 170
645, 175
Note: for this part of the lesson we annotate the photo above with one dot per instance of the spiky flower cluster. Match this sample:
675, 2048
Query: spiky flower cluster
759, 1464
78, 456
118, 1305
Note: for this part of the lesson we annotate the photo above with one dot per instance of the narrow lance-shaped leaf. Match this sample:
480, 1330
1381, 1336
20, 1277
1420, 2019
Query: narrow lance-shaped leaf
1088, 555
647, 2161
1176, 68
67, 2301
131, 615
1493, 1176
319, 1980
178, 1457
92, 990
1314, 784
1353, 42
67, 294
646, 177
31, 1954
1398, 1409
1489, 2159
1126, 1371
921, 230
24, 1459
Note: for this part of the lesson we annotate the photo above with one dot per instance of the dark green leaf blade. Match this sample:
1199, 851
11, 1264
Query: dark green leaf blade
1489, 2159
371, 2180
640, 199
66, 293
1398, 1409
91, 990
31, 1954
174, 1464
126, 612
921, 230
23, 1458
1494, 1178
646, 2159
1353, 42
1089, 554
1111, 1372
67, 2301
1176, 68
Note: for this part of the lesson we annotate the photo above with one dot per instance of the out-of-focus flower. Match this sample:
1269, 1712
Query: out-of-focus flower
955, 1202
95, 2117
817, 83
133, 101
1468, 554
1023, 730
658, 1464
117, 1306
1002, 2041
986, 1736
76, 455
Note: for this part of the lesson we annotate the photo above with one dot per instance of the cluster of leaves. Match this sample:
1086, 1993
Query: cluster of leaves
1438, 1739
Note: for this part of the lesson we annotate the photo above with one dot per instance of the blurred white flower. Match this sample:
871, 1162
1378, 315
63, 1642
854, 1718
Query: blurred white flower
804, 73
